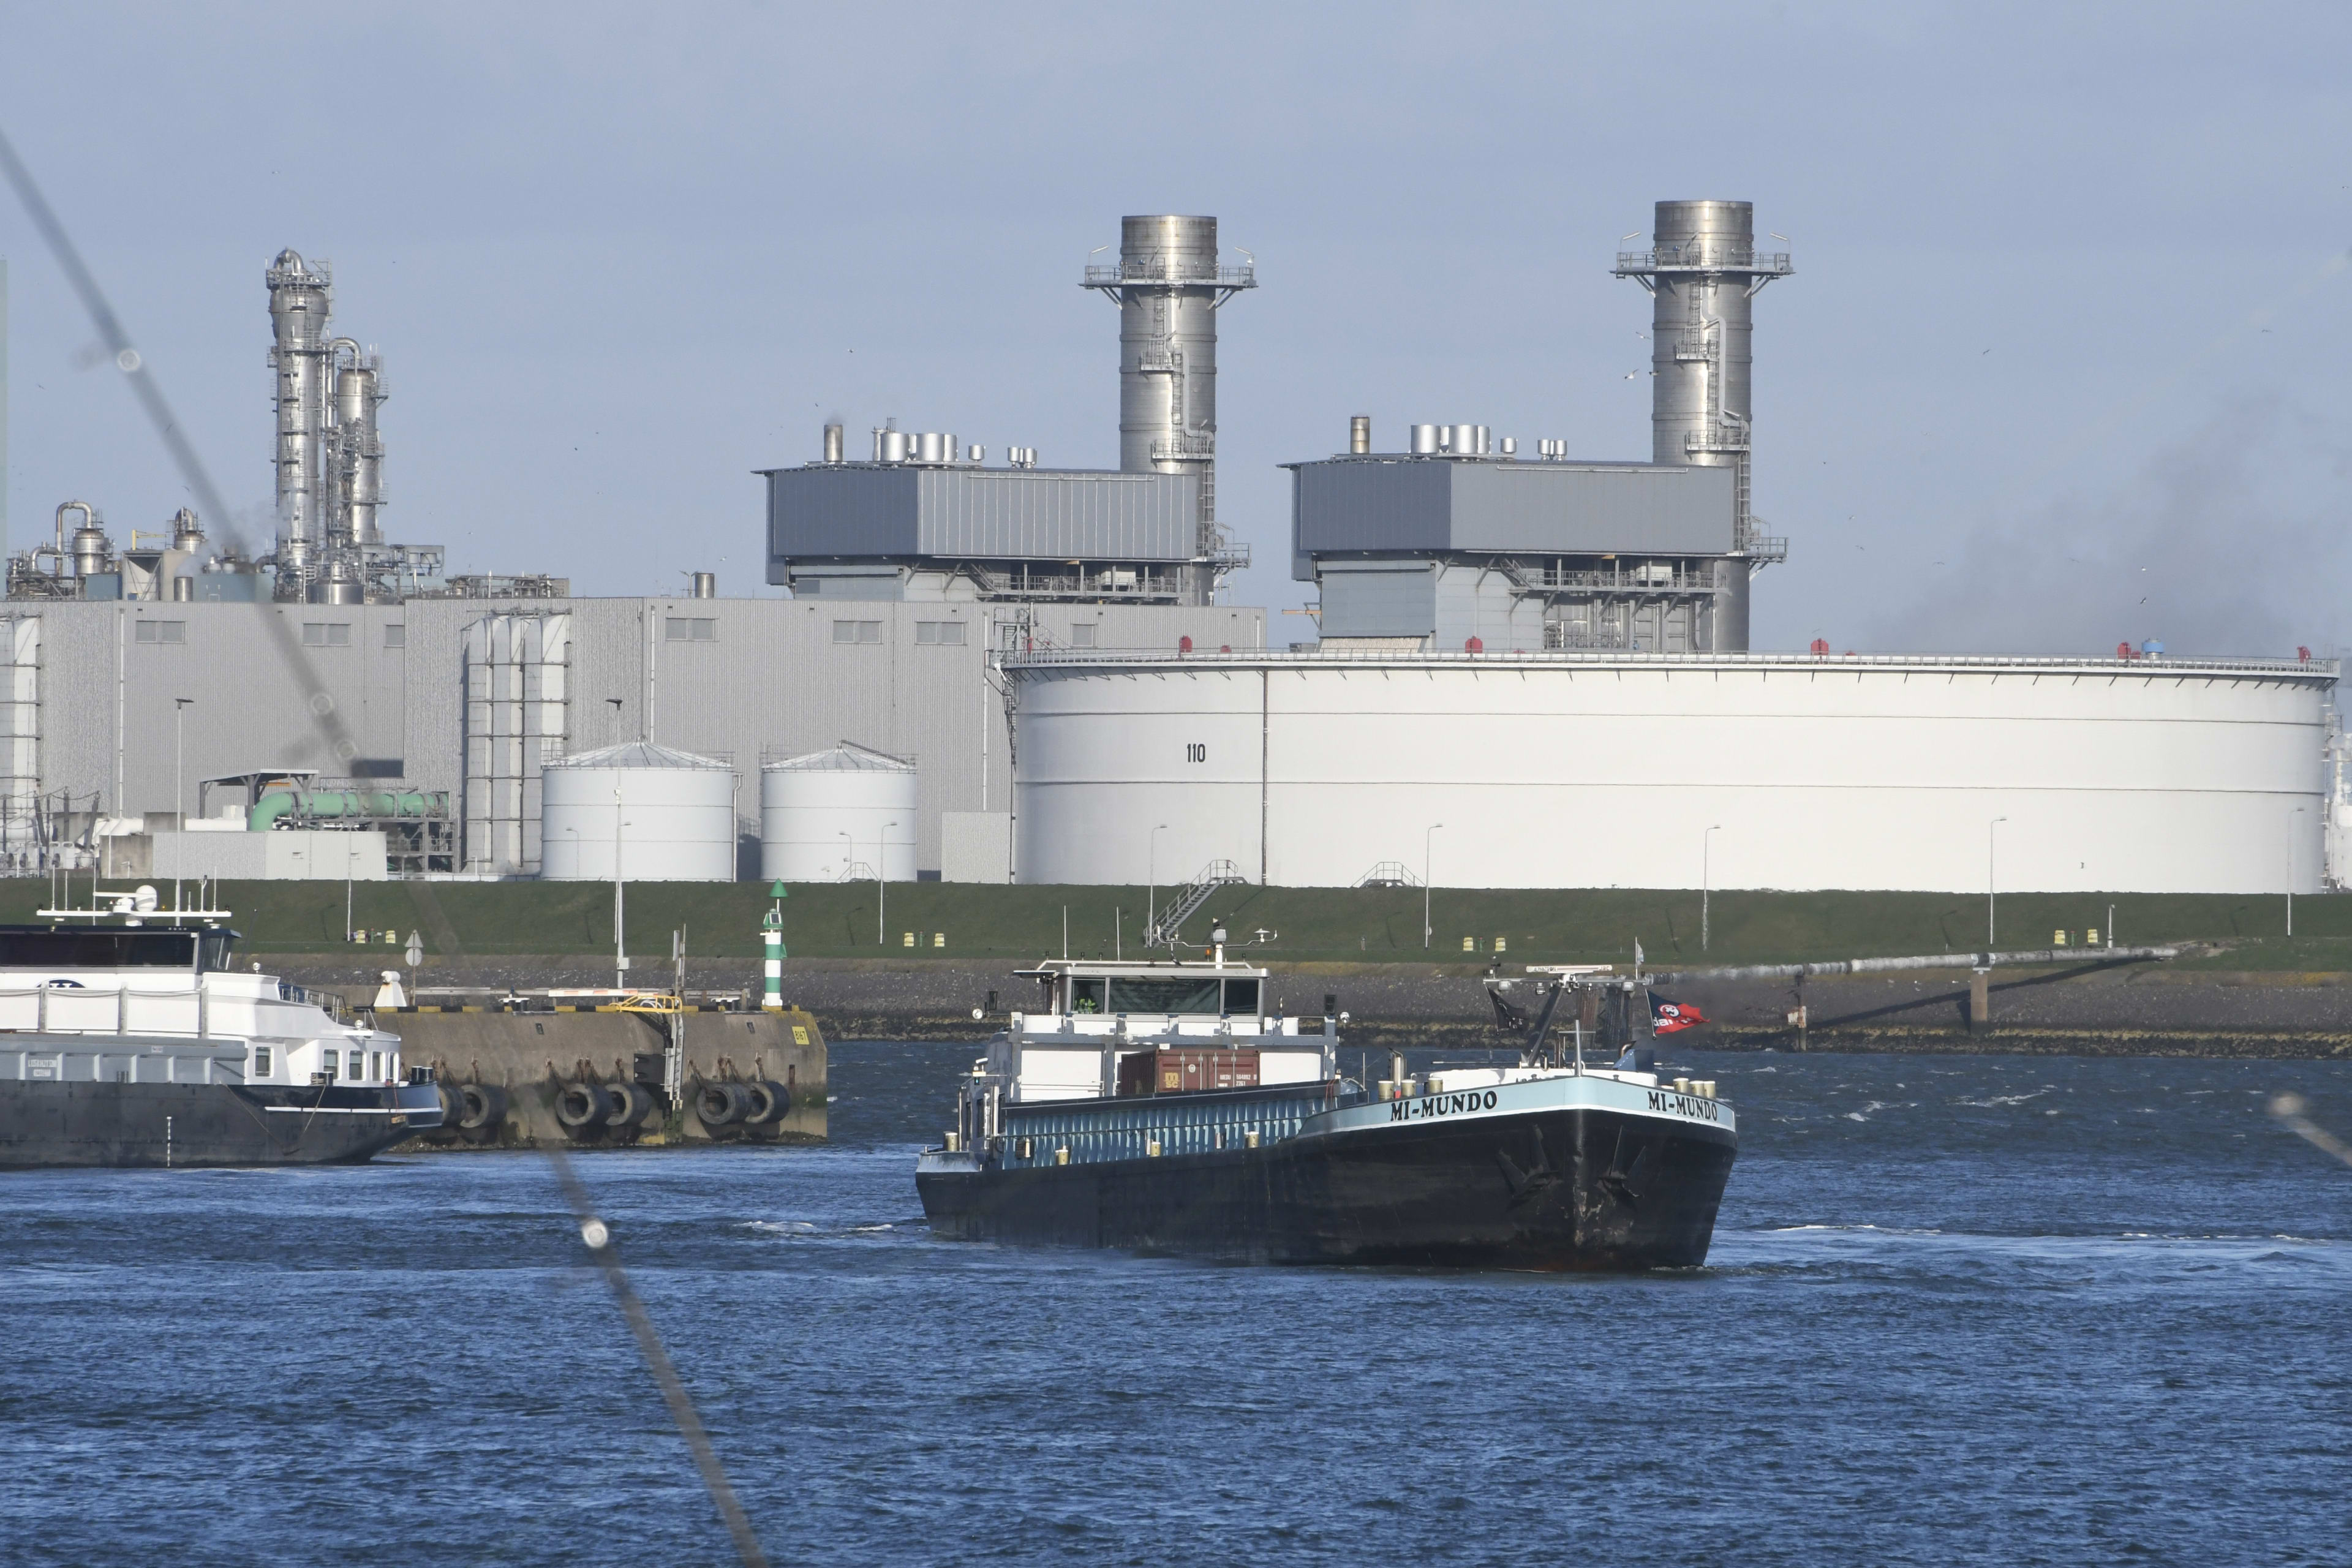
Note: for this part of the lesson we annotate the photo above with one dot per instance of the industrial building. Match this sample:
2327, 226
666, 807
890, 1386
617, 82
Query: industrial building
1534, 669
133, 674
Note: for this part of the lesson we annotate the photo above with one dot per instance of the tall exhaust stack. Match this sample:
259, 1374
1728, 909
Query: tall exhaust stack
1702, 271
1168, 288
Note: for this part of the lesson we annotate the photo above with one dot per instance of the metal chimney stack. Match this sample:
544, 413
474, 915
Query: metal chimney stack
1169, 288
298, 316
1703, 272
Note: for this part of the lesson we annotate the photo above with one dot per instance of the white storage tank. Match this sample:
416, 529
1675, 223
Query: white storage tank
1575, 769
671, 814
837, 817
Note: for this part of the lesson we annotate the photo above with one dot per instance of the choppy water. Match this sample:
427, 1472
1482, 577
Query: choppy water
1960, 1310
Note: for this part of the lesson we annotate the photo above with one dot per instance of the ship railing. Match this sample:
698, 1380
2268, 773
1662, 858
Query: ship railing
105, 1010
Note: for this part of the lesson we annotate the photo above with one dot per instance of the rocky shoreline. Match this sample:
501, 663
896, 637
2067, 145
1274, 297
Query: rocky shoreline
2132, 1010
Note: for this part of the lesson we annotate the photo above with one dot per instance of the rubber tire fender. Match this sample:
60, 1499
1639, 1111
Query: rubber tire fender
771, 1102
582, 1107
486, 1106
453, 1104
632, 1103
721, 1104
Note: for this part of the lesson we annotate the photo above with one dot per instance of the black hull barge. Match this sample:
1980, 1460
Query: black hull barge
136, 1044
1581, 1172
183, 1125
1548, 1165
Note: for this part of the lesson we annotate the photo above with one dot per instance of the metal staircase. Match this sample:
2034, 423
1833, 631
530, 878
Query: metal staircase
1188, 900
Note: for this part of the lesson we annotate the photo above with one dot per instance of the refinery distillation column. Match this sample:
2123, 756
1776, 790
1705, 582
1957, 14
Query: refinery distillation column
297, 313
1169, 287
1702, 270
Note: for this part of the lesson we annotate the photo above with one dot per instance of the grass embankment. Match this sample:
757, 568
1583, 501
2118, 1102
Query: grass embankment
1353, 925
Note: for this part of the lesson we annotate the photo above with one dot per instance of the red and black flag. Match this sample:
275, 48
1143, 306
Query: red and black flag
1666, 1017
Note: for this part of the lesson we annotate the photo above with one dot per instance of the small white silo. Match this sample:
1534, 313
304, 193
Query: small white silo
672, 814
837, 817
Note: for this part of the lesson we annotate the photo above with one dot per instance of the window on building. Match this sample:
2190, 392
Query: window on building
690, 628
395, 637
857, 631
1083, 634
261, 1061
941, 634
358, 1057
161, 631
326, 634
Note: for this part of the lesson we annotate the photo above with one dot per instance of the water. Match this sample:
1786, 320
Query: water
1960, 1310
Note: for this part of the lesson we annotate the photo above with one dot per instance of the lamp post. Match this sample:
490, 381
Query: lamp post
1427, 930
180, 800
848, 854
1996, 822
1152, 901
620, 943
1706, 878
881, 867
2290, 870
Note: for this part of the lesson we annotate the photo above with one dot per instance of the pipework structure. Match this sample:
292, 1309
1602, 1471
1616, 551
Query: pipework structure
1169, 287
330, 459
1703, 272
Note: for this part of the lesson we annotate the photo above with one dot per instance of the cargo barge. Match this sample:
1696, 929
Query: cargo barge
127, 1038
1166, 1108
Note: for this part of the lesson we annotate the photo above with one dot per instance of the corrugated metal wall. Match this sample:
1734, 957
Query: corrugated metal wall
769, 676
1534, 508
989, 514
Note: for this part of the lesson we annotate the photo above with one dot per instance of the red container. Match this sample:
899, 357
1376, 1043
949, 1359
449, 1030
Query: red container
1187, 1071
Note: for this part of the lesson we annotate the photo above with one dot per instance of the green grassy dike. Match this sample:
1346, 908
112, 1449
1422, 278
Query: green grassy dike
1324, 925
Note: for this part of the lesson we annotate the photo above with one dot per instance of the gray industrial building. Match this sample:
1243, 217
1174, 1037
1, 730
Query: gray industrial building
1428, 550
468, 698
1462, 541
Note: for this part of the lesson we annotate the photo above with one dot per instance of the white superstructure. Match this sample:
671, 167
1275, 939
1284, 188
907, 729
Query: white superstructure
111, 1005
1585, 770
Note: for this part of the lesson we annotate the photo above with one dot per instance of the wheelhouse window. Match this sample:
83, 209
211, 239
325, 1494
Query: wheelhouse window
98, 949
1242, 997
1087, 995
1185, 994
261, 1061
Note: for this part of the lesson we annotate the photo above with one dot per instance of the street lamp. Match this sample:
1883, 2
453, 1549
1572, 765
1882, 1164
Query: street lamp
620, 944
180, 799
881, 866
1996, 822
1705, 845
1427, 930
1152, 901
2291, 831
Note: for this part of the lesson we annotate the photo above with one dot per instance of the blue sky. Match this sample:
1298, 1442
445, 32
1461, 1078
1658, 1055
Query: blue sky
2064, 363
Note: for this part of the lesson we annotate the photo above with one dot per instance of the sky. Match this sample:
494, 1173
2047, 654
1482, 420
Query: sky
2063, 362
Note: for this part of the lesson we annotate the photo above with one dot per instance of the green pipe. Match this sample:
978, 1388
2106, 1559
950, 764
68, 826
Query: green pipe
330, 803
